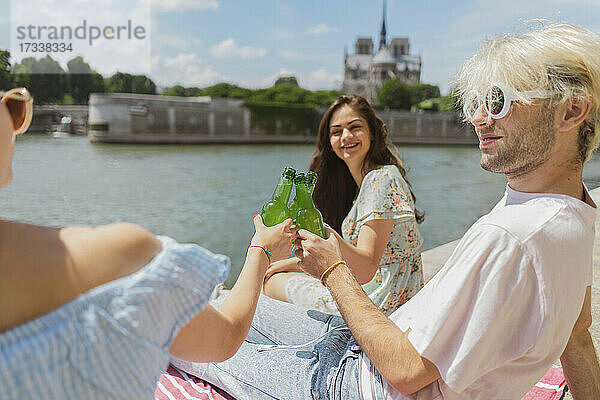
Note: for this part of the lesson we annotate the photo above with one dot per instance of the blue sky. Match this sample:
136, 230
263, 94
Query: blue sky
250, 43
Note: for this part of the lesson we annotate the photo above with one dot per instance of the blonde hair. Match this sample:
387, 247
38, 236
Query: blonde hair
559, 59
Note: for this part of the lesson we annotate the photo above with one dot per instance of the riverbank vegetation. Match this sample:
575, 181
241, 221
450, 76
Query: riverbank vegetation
49, 83
396, 94
285, 92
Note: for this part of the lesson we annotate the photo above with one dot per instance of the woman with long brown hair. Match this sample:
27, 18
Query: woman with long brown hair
364, 196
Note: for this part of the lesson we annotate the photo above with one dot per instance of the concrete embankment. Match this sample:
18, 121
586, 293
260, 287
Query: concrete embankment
435, 258
136, 118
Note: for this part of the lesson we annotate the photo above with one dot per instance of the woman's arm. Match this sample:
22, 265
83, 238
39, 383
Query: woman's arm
216, 335
44, 267
285, 265
365, 257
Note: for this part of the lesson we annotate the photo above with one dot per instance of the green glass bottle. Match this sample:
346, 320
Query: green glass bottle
308, 217
276, 210
311, 180
294, 204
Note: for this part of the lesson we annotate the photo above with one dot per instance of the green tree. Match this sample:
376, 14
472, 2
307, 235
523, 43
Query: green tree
323, 98
284, 93
143, 84
281, 93
289, 93
119, 83
176, 90
422, 91
282, 80
83, 80
45, 79
226, 90
394, 94
6, 80
126, 83
447, 103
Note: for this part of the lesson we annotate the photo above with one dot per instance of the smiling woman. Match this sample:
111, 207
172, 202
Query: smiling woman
363, 194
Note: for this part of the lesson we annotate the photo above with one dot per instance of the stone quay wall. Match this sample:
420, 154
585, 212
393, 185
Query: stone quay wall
133, 118
46, 118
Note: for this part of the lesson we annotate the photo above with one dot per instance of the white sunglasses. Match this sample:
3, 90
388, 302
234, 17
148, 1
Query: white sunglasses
496, 101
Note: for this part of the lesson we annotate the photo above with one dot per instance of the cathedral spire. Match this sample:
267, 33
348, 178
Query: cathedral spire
382, 43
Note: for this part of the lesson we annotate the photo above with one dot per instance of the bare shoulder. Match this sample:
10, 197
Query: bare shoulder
120, 236
44, 267
112, 251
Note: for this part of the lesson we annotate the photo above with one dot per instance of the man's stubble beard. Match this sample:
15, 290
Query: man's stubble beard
525, 150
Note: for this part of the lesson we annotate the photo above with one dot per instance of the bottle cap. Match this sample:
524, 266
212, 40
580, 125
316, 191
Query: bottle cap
311, 177
289, 173
300, 178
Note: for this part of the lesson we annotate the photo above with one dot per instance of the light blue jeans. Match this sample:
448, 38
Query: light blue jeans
322, 364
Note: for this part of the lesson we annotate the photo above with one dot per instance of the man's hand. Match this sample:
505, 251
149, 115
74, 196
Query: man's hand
384, 343
316, 254
276, 239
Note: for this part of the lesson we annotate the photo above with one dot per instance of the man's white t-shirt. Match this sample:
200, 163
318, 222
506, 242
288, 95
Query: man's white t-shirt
501, 310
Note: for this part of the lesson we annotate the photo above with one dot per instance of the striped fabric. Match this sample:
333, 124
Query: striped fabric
111, 342
175, 384
552, 386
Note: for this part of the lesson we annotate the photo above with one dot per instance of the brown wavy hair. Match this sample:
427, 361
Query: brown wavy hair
335, 189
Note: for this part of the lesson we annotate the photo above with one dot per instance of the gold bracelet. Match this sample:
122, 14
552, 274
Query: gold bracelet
328, 270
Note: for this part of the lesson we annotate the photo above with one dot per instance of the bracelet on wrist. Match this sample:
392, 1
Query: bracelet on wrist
328, 270
267, 252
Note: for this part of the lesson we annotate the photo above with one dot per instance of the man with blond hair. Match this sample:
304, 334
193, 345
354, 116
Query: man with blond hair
515, 294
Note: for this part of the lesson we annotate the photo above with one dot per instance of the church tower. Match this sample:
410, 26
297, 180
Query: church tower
365, 71
382, 40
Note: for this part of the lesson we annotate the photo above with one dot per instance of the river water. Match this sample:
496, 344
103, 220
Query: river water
207, 194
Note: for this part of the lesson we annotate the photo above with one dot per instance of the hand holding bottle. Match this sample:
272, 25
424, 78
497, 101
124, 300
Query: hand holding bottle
308, 216
315, 253
276, 239
276, 210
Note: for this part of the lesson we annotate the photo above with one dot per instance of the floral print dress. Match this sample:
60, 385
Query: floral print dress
384, 194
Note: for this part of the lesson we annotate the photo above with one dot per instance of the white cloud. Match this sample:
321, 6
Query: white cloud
229, 48
322, 79
175, 42
124, 53
320, 29
184, 5
185, 69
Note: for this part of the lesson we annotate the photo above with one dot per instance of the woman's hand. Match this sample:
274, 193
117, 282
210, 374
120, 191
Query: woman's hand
285, 265
276, 239
316, 254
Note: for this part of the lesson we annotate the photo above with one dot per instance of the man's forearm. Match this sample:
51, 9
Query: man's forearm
382, 341
581, 368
